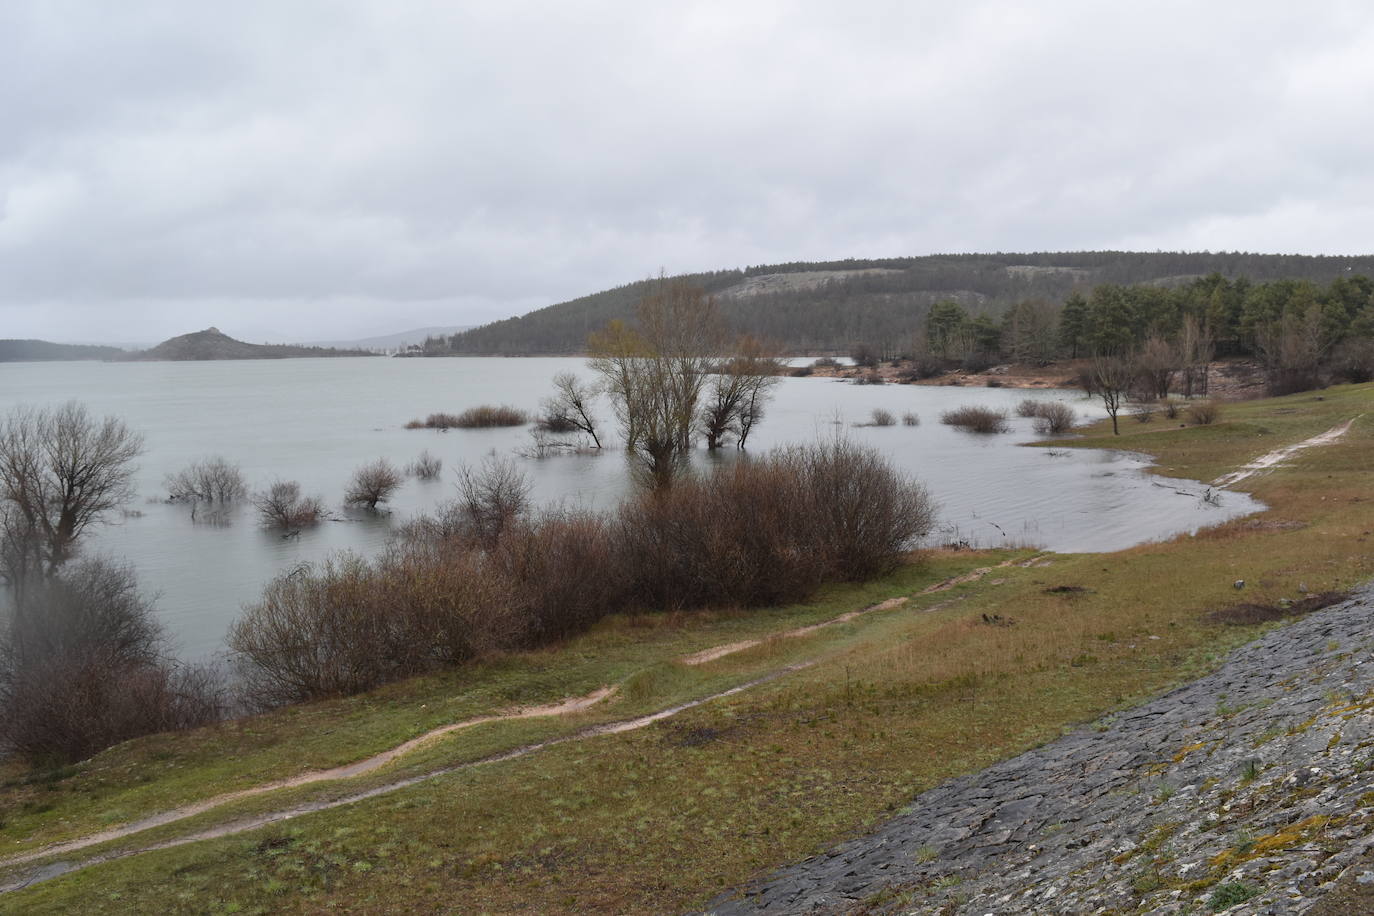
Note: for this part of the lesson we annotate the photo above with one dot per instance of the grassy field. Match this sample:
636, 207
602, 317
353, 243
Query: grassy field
663, 818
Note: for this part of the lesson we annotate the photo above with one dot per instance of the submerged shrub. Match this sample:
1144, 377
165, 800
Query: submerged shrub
976, 419
373, 483
481, 417
281, 505
213, 479
1054, 417
425, 466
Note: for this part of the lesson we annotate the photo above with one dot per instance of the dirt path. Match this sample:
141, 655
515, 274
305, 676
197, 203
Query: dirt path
715, 652
231, 828
1280, 455
562, 708
370, 764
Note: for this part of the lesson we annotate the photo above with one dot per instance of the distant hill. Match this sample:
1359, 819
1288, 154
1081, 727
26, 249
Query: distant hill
214, 344
824, 306
395, 341
17, 351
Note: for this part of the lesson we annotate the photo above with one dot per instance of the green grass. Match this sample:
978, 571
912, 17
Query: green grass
663, 818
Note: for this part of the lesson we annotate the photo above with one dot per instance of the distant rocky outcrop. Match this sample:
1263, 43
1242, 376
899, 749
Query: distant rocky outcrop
19, 351
212, 343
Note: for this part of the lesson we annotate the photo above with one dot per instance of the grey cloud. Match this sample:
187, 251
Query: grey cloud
323, 169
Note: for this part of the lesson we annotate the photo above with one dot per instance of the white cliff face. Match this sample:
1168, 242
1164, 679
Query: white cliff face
1248, 791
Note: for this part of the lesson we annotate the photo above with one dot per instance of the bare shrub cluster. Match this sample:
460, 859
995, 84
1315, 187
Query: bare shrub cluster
486, 573
84, 666
281, 505
1051, 417
373, 483
482, 417
348, 625
976, 419
210, 480
1204, 413
425, 466
910, 419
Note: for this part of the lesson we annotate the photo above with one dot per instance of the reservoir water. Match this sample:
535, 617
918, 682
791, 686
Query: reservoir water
316, 420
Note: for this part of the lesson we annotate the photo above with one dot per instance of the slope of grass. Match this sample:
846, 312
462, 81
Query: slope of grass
662, 818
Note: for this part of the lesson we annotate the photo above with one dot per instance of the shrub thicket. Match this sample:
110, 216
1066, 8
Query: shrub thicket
85, 666
976, 419
1204, 413
486, 573
482, 417
1053, 417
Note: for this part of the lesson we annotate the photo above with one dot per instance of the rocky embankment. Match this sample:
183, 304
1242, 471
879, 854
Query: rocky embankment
1250, 791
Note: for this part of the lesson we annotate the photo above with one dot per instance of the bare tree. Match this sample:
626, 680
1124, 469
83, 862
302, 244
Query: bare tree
570, 406
1292, 350
1196, 347
373, 483
210, 480
735, 397
491, 498
1156, 364
1111, 379
282, 506
61, 471
655, 374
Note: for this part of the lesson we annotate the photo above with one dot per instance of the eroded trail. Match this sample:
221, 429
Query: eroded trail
358, 768
230, 828
370, 764
1278, 456
715, 652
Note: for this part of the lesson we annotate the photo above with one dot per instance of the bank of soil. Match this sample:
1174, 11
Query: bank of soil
1249, 791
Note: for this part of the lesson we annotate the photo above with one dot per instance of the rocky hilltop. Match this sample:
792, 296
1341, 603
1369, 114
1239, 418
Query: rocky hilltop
212, 343
1250, 791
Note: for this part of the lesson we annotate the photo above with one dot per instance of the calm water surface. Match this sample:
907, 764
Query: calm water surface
315, 421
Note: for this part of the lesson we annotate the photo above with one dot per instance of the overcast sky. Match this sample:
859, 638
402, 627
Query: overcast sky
312, 170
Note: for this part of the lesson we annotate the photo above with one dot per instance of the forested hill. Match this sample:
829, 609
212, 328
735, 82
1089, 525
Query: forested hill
822, 306
19, 351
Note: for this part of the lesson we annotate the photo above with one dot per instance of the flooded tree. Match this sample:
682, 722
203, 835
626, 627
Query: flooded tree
655, 373
373, 483
210, 480
281, 505
570, 408
61, 471
736, 395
